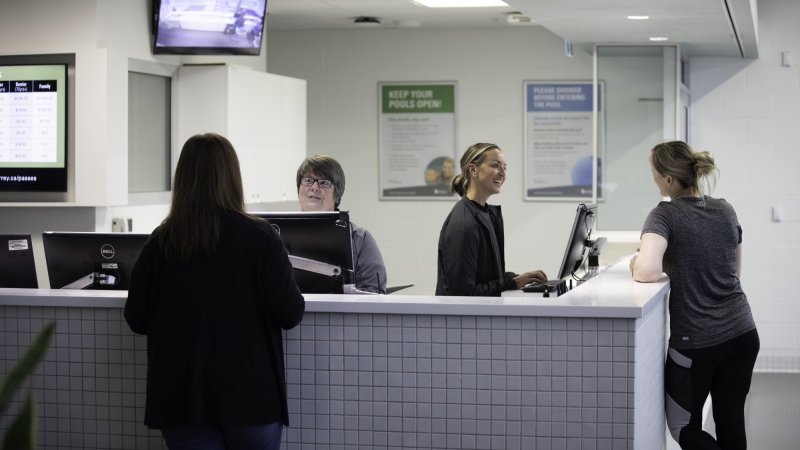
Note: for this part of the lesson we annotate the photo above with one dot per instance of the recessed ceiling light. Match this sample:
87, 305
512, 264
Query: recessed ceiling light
460, 3
638, 17
658, 38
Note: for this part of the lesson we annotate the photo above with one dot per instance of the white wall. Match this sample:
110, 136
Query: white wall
747, 112
343, 68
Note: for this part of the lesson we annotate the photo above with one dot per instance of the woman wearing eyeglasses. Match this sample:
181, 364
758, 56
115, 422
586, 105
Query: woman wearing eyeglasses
320, 187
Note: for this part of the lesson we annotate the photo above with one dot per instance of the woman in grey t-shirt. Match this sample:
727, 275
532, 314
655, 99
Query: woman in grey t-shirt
696, 240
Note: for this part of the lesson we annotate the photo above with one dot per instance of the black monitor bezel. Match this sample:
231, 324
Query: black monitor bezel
66, 266
337, 224
576, 252
17, 267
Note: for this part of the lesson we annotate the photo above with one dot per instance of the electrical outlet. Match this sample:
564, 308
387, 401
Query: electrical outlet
119, 225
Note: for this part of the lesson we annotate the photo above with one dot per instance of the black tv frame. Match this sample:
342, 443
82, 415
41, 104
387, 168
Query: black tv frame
52, 183
157, 33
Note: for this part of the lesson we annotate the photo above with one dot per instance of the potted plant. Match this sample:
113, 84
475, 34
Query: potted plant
21, 432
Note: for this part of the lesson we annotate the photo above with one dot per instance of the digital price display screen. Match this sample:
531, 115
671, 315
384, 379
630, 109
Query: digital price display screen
33, 122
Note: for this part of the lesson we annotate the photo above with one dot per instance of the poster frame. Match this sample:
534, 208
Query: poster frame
597, 151
436, 191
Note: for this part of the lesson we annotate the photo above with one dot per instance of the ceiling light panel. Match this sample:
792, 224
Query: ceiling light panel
460, 3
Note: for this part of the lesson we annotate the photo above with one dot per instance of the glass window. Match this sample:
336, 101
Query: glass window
640, 111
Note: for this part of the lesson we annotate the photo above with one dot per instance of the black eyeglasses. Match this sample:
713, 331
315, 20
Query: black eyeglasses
323, 184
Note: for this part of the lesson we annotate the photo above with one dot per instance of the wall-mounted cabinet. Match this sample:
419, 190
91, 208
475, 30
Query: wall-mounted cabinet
262, 114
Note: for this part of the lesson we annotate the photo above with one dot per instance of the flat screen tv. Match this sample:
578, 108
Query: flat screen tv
316, 237
88, 260
578, 243
33, 123
17, 267
208, 27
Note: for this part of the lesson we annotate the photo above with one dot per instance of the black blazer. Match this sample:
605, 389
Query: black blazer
471, 252
213, 326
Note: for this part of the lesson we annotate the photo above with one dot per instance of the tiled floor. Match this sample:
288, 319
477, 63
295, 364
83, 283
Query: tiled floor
772, 412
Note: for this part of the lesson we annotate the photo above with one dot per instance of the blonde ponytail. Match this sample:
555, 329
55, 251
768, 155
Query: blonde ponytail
687, 167
475, 154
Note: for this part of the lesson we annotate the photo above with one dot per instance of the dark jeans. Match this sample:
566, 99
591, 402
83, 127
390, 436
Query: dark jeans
725, 372
224, 437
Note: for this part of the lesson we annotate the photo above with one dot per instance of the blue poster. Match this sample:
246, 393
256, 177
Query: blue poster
559, 153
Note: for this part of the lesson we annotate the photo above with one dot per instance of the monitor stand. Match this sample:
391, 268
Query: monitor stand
105, 276
315, 266
81, 283
99, 280
595, 247
318, 267
352, 289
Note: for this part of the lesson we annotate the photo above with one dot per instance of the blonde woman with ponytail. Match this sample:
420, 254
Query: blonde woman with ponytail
471, 251
696, 239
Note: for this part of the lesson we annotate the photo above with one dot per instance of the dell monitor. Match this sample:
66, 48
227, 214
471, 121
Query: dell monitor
320, 247
91, 260
579, 244
17, 268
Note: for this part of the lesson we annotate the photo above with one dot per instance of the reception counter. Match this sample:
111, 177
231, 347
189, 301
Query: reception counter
579, 371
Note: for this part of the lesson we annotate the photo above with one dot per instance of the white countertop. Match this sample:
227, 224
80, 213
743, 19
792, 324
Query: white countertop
611, 294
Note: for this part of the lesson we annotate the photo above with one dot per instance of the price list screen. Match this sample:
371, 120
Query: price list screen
33, 127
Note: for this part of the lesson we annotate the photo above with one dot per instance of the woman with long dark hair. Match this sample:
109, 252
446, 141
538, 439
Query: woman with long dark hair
212, 290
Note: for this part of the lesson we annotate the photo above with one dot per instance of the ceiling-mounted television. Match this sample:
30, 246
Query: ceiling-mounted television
208, 27
34, 124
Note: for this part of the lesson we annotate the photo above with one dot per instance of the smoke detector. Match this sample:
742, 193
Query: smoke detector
517, 18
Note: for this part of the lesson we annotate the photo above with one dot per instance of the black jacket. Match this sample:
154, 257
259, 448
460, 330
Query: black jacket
471, 254
213, 326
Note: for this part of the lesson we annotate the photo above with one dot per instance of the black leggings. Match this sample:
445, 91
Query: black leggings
724, 371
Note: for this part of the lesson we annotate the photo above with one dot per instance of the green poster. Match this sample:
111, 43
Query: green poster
417, 139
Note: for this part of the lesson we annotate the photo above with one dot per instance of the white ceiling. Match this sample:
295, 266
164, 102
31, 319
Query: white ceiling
701, 27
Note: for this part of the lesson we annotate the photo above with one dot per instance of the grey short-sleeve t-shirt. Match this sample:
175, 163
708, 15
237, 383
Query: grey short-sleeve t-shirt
707, 305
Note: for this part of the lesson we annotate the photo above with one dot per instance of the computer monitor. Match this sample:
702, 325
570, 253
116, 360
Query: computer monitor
579, 243
91, 260
17, 267
320, 246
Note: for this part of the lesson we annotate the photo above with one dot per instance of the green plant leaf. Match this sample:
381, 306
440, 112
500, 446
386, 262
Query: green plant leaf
21, 434
26, 365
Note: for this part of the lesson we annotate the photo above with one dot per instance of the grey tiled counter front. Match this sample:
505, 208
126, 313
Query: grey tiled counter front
582, 371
